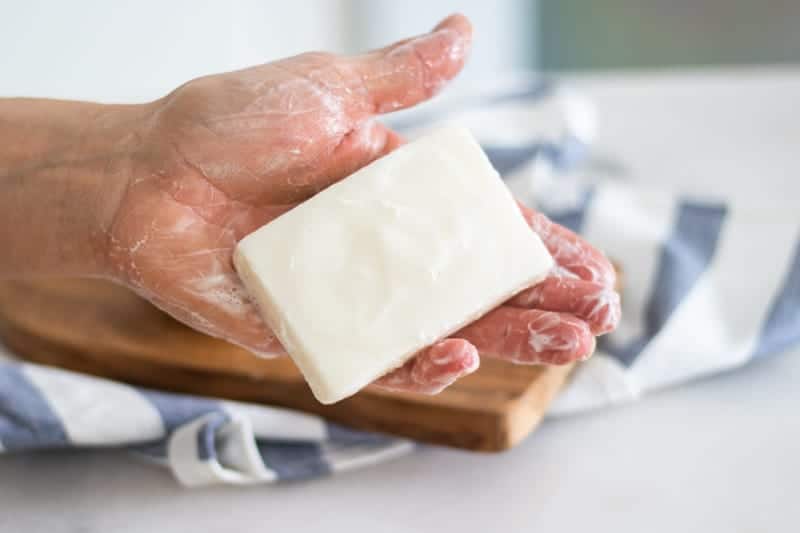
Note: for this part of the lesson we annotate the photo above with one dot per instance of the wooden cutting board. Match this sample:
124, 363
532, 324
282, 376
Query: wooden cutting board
103, 329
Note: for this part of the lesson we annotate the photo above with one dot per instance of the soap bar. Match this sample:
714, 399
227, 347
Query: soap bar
400, 254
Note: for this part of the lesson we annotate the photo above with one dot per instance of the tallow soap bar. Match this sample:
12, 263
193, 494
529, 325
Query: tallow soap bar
393, 258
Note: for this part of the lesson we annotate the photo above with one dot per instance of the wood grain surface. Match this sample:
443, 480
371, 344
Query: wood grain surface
102, 329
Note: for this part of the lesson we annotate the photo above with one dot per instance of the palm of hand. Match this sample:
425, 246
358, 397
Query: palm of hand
223, 155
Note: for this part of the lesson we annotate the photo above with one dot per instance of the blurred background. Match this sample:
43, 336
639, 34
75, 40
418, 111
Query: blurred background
74, 49
693, 180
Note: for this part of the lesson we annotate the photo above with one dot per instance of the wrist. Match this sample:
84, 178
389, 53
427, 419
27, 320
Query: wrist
63, 168
109, 155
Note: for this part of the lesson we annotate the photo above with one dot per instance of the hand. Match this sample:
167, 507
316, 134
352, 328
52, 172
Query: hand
554, 322
223, 155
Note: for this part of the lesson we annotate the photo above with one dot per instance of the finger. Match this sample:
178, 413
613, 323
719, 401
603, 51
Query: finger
593, 302
570, 251
411, 71
433, 369
530, 336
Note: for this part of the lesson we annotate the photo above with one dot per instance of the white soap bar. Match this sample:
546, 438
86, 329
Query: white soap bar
399, 255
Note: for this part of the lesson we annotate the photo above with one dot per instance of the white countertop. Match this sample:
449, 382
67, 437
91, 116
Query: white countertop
714, 456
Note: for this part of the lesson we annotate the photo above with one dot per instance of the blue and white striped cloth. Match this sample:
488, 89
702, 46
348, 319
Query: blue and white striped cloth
710, 284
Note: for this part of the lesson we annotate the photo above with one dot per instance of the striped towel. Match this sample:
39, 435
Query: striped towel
704, 291
709, 286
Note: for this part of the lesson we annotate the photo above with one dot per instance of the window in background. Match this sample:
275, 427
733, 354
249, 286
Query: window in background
576, 34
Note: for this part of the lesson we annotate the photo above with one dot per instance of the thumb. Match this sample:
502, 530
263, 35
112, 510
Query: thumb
411, 71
